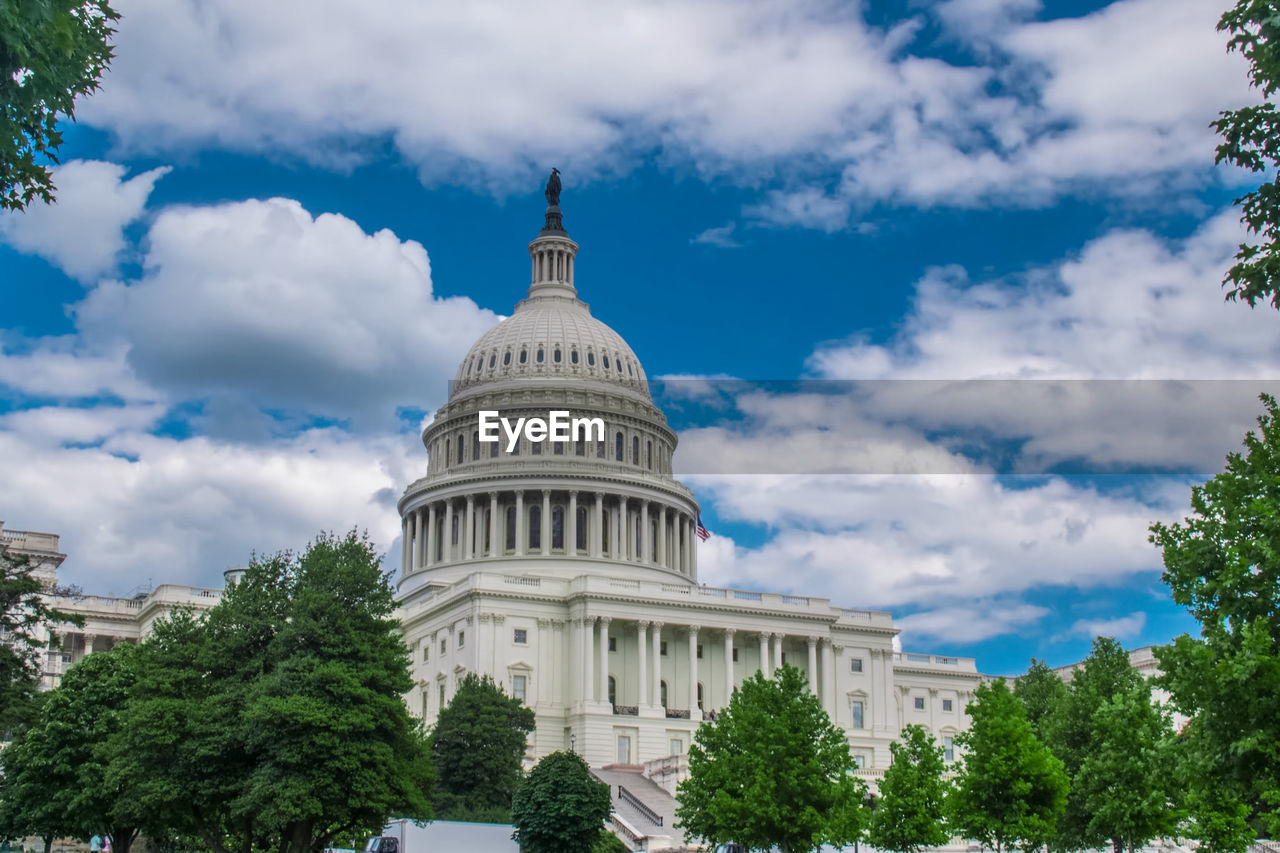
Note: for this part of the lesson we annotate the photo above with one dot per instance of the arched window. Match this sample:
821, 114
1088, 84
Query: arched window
506, 358
591, 359
662, 692
613, 691
649, 455
606, 536
535, 448
557, 528
699, 695
540, 357
617, 446
635, 450
475, 445
573, 356
580, 530
448, 449
559, 448
630, 372
617, 363
456, 519
493, 450
606, 361
461, 450
535, 527
515, 448
600, 448
555, 355
511, 528
493, 360
581, 446
524, 355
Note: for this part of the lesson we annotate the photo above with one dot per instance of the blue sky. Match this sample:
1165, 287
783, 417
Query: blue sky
281, 226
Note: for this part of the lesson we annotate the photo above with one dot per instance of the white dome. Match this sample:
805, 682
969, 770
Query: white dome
551, 337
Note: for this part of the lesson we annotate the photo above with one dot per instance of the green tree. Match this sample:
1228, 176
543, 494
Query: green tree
1251, 140
910, 813
560, 807
1071, 734
1223, 564
25, 619
1010, 789
31, 789
51, 52
772, 770
1125, 783
477, 746
1041, 691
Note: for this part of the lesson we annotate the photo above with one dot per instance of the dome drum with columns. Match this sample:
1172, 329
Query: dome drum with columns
568, 571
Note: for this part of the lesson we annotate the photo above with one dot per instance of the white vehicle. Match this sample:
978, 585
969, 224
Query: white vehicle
406, 836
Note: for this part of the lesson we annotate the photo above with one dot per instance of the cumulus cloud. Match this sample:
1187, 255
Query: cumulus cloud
83, 232
261, 302
721, 237
1120, 628
970, 623
806, 100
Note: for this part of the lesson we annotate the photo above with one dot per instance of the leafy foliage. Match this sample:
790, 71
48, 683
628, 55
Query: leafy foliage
770, 770
1251, 140
1011, 789
1041, 691
477, 746
24, 618
1223, 564
560, 807
51, 52
910, 813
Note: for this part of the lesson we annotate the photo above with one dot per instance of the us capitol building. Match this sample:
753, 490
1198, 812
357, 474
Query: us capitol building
568, 571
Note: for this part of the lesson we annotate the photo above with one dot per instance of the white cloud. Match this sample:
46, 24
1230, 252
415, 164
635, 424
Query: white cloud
1119, 628
83, 232
970, 623
259, 303
721, 237
794, 98
62, 368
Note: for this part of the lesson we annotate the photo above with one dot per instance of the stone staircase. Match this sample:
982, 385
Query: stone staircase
643, 813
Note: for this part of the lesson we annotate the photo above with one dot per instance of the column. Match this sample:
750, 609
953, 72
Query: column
623, 551
429, 541
829, 678
546, 522
468, 538
494, 526
448, 532
406, 550
657, 663
777, 653
452, 672
597, 530
520, 523
484, 642
694, 713
662, 538
578, 682
588, 661
642, 629
693, 547
571, 526
602, 689
728, 664
420, 556
933, 706
813, 665
764, 654
645, 545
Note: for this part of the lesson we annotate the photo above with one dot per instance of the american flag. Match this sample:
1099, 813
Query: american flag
703, 533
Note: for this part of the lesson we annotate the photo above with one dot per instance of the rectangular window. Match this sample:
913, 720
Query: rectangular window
462, 639
859, 761
441, 706
520, 636
426, 651
946, 704
517, 687
662, 648
919, 703
443, 645
677, 746
699, 651
855, 665
948, 749
613, 644
735, 655
856, 707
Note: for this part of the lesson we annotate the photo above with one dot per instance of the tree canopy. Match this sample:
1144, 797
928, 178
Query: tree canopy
51, 52
1010, 789
1223, 564
911, 811
560, 807
478, 746
1041, 691
1251, 140
772, 770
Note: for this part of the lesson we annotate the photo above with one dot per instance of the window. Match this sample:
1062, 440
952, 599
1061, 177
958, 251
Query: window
613, 691
581, 448
493, 359
511, 528
457, 518
535, 527
855, 665
517, 687
524, 355
573, 356
448, 446
606, 362
677, 746
520, 636
606, 532
859, 761
735, 655
580, 531
919, 703
493, 450
506, 358
784, 658
856, 708
617, 446
635, 450
699, 695
649, 455
946, 704
662, 691
539, 359
535, 447
426, 651
444, 645
462, 639
475, 446
555, 356
441, 707
557, 527
699, 651
662, 650
559, 448
948, 749
613, 644
461, 450
591, 359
